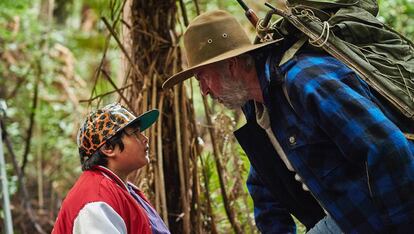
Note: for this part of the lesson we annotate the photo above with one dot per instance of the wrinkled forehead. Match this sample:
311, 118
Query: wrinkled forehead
208, 70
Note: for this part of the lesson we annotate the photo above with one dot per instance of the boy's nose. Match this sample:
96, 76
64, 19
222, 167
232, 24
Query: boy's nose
144, 139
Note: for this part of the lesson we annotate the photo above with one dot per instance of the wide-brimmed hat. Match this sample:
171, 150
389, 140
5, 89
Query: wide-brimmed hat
212, 37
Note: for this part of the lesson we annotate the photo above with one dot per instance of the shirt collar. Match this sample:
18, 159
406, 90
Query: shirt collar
112, 176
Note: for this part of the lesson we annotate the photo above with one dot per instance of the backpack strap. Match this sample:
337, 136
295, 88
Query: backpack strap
292, 51
289, 55
409, 136
286, 57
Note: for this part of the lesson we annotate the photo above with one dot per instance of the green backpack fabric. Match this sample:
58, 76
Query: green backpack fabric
349, 31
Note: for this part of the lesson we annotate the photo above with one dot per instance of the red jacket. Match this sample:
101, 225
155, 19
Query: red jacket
99, 202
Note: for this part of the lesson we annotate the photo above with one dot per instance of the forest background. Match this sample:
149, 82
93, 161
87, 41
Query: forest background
60, 59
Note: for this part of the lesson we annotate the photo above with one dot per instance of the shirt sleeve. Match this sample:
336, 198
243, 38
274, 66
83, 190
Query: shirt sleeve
269, 215
98, 218
339, 103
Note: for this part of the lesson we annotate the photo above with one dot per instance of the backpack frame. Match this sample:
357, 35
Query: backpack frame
389, 71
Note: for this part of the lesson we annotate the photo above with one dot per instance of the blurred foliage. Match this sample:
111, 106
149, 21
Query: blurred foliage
398, 14
60, 59
61, 56
26, 50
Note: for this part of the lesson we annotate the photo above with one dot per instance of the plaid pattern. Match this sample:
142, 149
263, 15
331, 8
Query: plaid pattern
343, 143
270, 215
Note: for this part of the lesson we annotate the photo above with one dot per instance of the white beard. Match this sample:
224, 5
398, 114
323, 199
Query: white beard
234, 93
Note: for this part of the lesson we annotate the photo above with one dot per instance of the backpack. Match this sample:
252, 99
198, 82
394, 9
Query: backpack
349, 31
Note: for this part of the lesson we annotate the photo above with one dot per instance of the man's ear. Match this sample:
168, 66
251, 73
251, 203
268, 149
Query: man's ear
109, 151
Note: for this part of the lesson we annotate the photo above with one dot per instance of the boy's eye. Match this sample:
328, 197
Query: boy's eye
133, 132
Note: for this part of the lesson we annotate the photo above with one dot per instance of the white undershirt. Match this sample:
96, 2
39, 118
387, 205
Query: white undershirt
262, 117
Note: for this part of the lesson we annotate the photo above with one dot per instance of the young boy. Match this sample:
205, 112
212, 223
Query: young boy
111, 145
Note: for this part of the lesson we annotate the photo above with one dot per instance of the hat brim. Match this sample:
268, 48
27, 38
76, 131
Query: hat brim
189, 72
145, 120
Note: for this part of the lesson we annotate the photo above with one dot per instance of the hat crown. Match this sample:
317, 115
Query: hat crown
212, 34
210, 38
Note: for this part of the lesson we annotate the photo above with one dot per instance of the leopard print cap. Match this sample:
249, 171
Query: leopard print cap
100, 126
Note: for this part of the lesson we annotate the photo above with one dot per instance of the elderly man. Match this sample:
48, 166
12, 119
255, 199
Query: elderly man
322, 146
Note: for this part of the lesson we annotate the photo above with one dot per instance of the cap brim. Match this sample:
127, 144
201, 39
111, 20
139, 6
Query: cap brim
146, 120
189, 72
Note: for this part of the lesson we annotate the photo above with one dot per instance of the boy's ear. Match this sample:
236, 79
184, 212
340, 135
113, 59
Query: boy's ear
109, 151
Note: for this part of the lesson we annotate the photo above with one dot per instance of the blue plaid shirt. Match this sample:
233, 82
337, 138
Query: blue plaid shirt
346, 145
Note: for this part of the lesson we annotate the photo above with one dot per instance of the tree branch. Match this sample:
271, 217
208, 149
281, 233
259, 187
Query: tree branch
105, 94
32, 118
116, 88
112, 31
25, 198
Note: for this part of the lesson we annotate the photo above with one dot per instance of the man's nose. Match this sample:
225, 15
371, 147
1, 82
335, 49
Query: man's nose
204, 88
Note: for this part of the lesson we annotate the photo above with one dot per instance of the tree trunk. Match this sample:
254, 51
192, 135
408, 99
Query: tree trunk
156, 56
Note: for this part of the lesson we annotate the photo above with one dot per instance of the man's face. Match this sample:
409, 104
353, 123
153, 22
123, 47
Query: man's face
222, 86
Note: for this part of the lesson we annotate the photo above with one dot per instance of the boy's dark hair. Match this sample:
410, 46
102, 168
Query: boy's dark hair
99, 158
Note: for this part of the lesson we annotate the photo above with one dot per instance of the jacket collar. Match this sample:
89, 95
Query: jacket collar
112, 176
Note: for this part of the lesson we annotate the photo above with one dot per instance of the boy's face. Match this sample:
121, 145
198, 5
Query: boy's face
135, 153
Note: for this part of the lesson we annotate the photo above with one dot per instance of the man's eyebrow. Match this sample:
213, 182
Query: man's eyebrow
196, 75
